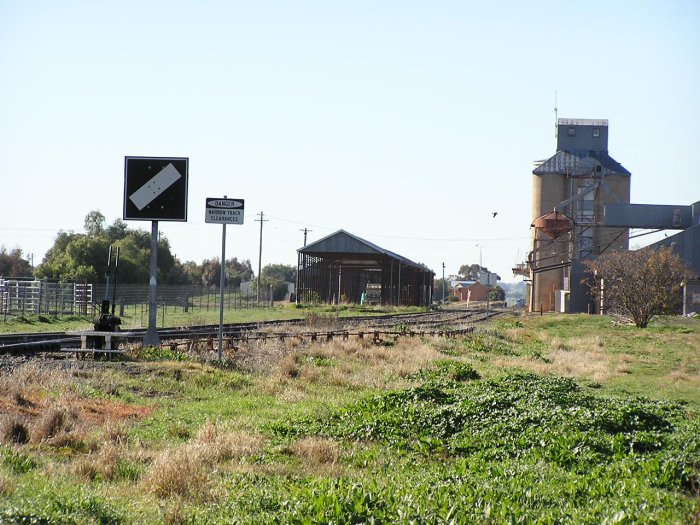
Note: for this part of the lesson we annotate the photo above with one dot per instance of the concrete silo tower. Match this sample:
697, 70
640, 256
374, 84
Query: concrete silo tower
569, 193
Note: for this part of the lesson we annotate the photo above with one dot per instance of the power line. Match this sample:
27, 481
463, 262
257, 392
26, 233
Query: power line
409, 238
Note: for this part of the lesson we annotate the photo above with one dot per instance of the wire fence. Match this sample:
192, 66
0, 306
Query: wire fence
35, 297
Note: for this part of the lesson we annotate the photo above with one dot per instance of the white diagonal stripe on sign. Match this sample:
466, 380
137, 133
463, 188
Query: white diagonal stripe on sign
154, 187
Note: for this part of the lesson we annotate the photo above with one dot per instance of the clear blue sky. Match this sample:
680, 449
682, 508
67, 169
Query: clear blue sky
406, 123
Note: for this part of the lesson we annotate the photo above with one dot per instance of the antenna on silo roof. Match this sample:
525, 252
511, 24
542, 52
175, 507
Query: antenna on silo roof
556, 117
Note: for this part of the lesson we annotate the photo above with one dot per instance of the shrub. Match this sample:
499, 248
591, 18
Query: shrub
53, 422
13, 429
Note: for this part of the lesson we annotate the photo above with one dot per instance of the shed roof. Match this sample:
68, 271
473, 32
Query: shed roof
342, 242
466, 284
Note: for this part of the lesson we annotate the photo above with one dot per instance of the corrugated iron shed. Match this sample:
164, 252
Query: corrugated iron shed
343, 267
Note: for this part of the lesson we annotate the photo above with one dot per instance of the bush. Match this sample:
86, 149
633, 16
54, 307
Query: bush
13, 429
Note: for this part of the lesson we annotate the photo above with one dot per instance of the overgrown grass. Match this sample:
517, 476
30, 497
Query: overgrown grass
562, 419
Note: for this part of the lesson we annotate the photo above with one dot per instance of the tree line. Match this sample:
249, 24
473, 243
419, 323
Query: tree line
77, 257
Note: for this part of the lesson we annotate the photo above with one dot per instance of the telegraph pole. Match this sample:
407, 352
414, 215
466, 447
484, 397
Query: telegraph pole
261, 220
443, 283
305, 230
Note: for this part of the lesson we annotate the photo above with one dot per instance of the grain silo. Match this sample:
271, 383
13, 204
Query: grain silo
569, 193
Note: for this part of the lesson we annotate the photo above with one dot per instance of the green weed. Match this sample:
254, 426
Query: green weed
17, 461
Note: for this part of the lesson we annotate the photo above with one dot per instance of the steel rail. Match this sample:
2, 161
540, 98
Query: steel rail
174, 336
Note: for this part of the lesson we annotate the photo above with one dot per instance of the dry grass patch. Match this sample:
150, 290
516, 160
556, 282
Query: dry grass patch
180, 472
48, 401
680, 376
224, 445
175, 513
291, 393
688, 371
30, 378
341, 376
571, 357
348, 363
590, 364
261, 356
290, 366
588, 343
6, 486
310, 374
116, 433
389, 366
100, 465
185, 471
593, 365
54, 421
316, 450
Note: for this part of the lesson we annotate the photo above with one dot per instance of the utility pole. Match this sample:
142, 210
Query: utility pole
305, 230
443, 283
488, 280
261, 220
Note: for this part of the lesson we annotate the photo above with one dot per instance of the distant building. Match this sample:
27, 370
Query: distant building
470, 290
489, 278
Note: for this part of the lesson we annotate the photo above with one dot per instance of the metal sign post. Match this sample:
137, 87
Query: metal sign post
155, 189
221, 291
152, 338
223, 211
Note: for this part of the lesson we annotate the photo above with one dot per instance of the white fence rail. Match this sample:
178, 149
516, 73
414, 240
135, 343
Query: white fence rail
33, 297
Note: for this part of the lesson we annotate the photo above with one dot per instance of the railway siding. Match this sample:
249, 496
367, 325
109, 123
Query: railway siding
378, 329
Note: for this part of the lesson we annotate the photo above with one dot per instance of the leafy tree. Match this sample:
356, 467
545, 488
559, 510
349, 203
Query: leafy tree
74, 257
438, 288
210, 272
83, 256
117, 230
238, 271
192, 272
280, 272
12, 264
471, 272
277, 276
497, 293
638, 284
94, 223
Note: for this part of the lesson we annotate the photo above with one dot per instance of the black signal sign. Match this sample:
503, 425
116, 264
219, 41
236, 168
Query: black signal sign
155, 188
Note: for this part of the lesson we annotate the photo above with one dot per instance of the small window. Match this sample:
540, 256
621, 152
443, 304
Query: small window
572, 132
596, 132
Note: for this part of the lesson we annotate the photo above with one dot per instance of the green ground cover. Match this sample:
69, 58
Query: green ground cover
561, 419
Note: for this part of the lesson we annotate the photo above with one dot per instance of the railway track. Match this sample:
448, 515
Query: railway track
445, 322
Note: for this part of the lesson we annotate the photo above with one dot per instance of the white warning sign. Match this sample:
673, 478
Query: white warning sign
224, 211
